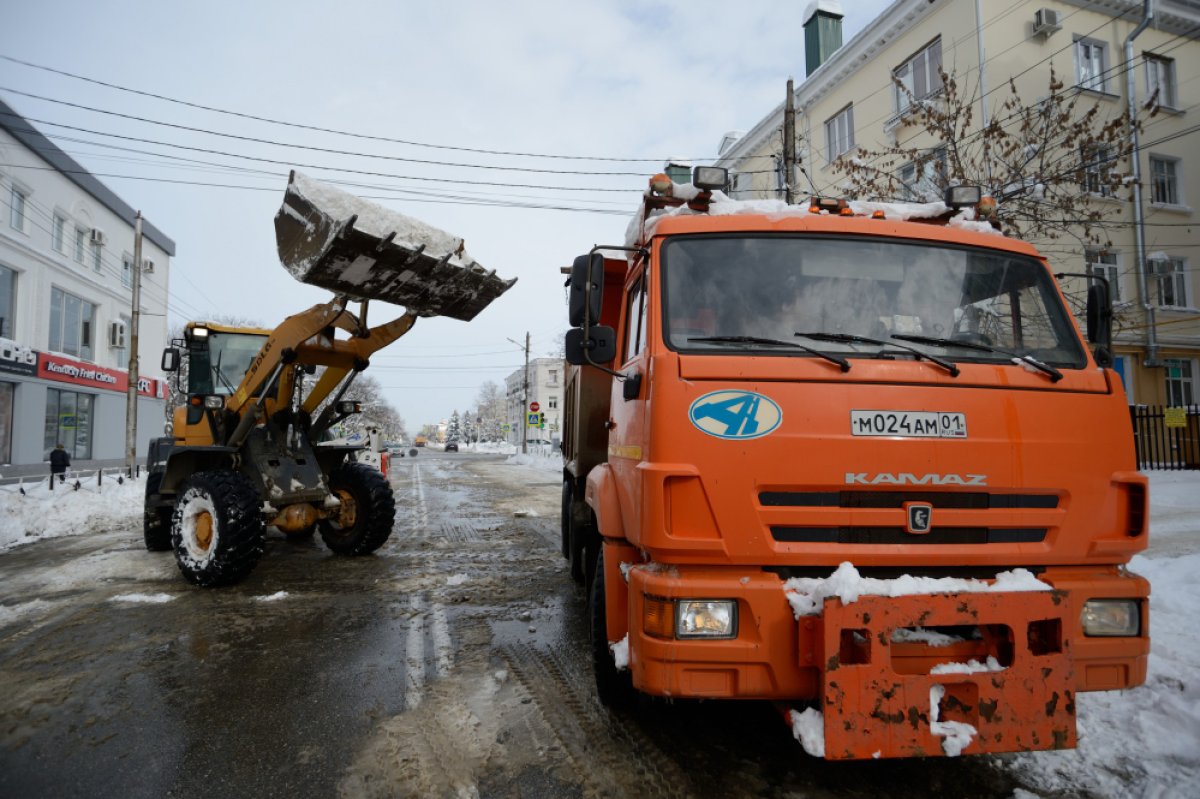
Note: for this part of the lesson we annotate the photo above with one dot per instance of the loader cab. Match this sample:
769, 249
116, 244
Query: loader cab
220, 358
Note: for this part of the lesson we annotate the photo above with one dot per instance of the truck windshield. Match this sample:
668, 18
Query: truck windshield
774, 287
219, 362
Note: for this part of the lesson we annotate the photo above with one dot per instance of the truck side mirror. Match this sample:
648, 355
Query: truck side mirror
587, 288
170, 360
1100, 321
599, 345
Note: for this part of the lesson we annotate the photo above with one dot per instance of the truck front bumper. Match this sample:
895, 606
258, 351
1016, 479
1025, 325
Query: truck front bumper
877, 694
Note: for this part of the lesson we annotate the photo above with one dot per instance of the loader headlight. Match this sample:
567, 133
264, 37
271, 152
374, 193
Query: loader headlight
346, 407
214, 402
706, 618
1111, 617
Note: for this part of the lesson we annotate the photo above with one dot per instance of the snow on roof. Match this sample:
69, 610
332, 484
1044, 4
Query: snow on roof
723, 205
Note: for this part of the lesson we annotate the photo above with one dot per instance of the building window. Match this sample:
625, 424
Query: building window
127, 271
97, 256
1104, 264
1091, 60
58, 234
919, 77
68, 422
553, 377
552, 403
81, 241
1164, 180
922, 181
16, 216
123, 352
839, 134
1096, 174
1160, 80
72, 321
1181, 381
1170, 278
8, 301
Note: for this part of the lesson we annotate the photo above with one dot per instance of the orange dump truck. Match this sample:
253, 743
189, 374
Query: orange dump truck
855, 462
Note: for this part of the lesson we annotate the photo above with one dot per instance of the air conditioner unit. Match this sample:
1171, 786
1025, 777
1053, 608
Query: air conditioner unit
1046, 21
148, 266
98, 236
116, 334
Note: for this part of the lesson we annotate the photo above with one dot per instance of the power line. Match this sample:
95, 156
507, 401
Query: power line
319, 129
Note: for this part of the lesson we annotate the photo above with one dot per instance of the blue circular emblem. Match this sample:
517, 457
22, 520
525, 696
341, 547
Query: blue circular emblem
735, 414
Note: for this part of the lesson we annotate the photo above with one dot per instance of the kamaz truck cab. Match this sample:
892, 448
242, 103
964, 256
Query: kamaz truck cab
856, 459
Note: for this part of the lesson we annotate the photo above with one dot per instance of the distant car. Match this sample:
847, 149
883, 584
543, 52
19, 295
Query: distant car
451, 446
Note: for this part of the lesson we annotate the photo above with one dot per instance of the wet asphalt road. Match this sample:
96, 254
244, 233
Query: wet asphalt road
451, 663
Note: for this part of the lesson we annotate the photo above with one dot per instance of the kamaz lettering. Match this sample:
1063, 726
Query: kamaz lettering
908, 478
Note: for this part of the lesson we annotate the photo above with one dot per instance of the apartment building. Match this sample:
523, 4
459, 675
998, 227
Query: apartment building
547, 389
851, 101
66, 274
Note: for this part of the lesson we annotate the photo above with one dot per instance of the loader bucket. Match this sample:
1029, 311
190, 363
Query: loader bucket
331, 239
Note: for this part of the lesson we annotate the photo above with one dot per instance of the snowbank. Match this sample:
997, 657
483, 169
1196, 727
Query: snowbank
42, 513
549, 460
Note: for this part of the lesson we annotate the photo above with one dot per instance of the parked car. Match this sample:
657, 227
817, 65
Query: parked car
451, 446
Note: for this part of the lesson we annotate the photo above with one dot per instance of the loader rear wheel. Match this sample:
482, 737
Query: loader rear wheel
367, 513
156, 520
217, 529
613, 687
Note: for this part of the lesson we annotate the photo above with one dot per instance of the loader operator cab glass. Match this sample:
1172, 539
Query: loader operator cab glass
219, 361
979, 305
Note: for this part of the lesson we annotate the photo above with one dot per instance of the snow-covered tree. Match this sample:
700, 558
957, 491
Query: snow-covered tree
453, 427
491, 410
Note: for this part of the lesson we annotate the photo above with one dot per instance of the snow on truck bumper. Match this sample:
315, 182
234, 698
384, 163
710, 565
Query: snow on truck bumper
885, 686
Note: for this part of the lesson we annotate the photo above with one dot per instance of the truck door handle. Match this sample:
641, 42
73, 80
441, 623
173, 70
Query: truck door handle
632, 386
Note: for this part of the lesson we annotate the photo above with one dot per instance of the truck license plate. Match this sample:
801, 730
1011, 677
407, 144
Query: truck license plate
909, 424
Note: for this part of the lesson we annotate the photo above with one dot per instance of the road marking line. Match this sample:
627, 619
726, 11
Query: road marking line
414, 655
442, 646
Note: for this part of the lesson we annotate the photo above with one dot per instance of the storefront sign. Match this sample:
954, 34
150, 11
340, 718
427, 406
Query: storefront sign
16, 359
69, 370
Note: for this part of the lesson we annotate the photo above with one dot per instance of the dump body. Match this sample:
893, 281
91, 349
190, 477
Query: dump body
743, 464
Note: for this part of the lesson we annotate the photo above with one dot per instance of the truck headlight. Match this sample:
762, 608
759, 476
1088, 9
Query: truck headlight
706, 618
1111, 617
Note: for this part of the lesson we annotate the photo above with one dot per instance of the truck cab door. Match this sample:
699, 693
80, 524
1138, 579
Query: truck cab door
628, 436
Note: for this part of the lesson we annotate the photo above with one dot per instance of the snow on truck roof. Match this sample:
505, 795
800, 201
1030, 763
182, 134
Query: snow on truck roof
775, 210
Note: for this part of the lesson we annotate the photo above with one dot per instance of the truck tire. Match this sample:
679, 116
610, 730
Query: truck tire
156, 519
368, 511
217, 528
614, 688
581, 537
567, 495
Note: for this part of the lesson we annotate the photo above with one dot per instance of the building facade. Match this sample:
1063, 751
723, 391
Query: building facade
66, 274
547, 389
865, 95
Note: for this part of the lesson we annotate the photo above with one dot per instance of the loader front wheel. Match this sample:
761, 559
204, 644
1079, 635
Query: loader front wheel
217, 529
156, 519
367, 513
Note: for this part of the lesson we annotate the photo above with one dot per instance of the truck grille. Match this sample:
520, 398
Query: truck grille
896, 499
898, 535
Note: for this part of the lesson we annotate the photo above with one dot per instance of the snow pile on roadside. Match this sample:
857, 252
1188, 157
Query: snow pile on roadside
807, 595
42, 513
551, 461
492, 447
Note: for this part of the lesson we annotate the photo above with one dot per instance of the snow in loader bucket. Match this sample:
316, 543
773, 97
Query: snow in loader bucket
331, 239
894, 688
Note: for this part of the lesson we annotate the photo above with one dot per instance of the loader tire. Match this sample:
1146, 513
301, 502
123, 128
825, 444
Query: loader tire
156, 520
614, 688
368, 511
217, 529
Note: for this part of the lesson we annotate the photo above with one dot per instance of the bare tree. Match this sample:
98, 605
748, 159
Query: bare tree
491, 410
1044, 162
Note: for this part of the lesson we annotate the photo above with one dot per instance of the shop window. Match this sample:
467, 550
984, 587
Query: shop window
7, 391
68, 422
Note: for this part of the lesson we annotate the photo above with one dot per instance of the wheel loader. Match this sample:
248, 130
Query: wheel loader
246, 450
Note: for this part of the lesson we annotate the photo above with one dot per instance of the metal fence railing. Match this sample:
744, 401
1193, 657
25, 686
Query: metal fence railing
93, 480
1166, 438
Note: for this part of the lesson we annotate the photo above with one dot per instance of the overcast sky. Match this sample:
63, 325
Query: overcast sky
602, 80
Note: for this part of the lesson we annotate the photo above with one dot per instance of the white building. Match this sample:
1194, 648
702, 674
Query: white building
66, 267
547, 389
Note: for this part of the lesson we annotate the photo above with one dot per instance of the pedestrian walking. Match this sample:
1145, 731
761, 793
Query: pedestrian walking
60, 460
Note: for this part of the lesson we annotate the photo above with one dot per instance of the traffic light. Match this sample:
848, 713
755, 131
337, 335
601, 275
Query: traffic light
542, 420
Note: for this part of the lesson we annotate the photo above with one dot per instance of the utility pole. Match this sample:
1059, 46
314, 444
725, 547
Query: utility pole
524, 414
789, 145
131, 398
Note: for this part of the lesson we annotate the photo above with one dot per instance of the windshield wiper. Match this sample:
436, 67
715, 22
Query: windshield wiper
1045, 368
848, 338
774, 342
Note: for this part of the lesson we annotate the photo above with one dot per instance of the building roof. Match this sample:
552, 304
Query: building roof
23, 131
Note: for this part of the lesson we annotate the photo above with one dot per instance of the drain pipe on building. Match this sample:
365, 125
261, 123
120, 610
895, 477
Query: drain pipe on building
1139, 216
